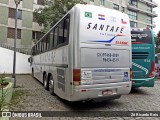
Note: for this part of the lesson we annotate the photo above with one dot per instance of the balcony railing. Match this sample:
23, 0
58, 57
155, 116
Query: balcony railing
21, 50
153, 4
143, 22
145, 11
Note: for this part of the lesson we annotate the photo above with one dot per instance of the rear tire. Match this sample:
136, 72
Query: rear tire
51, 85
45, 82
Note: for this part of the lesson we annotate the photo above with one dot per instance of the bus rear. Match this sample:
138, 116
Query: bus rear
102, 54
143, 58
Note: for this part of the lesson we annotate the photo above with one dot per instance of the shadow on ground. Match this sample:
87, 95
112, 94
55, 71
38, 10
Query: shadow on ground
90, 105
139, 91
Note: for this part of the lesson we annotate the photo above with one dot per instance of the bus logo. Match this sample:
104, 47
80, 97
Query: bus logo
108, 41
88, 14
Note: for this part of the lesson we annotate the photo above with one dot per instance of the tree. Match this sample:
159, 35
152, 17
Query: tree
53, 11
157, 42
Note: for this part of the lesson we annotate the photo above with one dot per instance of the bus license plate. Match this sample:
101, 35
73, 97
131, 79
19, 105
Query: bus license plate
107, 92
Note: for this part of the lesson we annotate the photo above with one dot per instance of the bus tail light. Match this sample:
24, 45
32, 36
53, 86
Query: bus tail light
130, 74
76, 76
151, 74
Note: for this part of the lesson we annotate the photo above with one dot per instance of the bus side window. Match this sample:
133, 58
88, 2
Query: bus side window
39, 47
66, 30
50, 40
33, 50
55, 37
47, 42
38, 50
60, 32
44, 44
63, 32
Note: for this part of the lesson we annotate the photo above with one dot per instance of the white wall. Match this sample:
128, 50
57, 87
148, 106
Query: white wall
6, 62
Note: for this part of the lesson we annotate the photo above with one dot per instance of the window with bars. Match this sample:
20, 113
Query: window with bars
115, 6
11, 33
149, 26
12, 13
132, 14
149, 19
34, 17
35, 1
123, 9
36, 35
40, 2
102, 2
149, 8
133, 24
133, 2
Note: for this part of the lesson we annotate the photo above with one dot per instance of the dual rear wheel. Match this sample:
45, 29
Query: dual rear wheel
48, 83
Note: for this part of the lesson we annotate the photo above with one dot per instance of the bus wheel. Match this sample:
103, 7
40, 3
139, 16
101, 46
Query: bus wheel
45, 81
51, 85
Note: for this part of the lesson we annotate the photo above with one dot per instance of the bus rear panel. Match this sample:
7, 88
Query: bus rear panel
143, 56
102, 66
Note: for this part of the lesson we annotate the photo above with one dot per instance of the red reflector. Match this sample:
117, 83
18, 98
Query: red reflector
76, 74
152, 70
83, 90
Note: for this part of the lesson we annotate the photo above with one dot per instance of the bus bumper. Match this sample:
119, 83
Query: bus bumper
143, 82
95, 92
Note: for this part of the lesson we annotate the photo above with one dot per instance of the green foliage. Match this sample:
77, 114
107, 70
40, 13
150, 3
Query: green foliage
52, 12
18, 97
157, 42
3, 83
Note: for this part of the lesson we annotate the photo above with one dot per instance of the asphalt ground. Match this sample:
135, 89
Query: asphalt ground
36, 98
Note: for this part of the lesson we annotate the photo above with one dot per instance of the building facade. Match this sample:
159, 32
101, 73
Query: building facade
27, 28
140, 12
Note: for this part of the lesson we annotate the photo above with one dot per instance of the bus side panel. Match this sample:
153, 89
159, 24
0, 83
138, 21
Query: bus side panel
67, 71
61, 66
37, 67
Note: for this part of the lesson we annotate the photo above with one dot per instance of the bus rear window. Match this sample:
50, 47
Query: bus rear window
141, 37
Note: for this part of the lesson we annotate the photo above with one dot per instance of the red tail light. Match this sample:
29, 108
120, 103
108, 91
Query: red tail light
130, 74
76, 76
151, 74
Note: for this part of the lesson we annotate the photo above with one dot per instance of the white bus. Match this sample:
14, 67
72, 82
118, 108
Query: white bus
86, 55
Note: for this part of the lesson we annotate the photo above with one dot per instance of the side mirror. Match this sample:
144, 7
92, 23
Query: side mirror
30, 59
